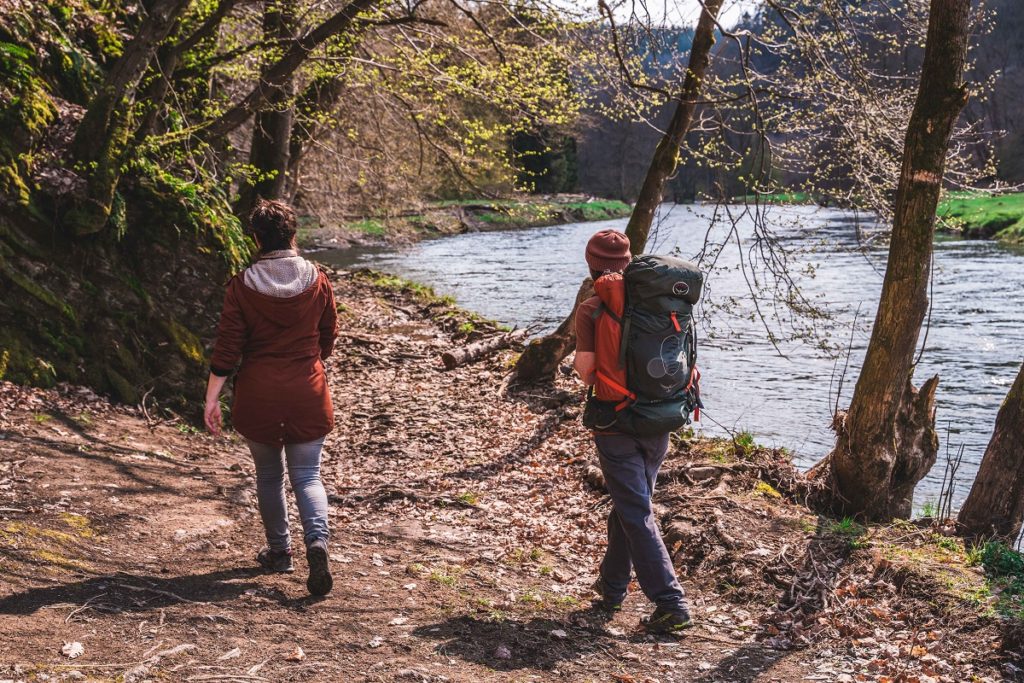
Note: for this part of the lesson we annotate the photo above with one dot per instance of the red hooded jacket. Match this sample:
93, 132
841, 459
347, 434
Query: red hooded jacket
281, 392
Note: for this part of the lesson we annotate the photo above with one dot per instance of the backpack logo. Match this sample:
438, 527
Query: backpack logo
680, 288
669, 361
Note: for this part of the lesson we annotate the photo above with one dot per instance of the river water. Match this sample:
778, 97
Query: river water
784, 396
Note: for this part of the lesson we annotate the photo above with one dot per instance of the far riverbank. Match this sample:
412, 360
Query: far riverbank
452, 217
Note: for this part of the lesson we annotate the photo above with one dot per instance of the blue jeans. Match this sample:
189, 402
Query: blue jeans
630, 465
304, 472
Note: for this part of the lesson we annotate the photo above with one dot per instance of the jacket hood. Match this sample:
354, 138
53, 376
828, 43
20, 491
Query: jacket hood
280, 310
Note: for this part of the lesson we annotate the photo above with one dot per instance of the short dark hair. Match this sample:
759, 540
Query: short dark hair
274, 224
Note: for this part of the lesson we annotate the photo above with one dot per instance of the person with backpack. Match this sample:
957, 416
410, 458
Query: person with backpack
636, 350
279, 319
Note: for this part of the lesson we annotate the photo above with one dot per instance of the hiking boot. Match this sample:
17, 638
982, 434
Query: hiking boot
606, 601
663, 621
319, 581
276, 560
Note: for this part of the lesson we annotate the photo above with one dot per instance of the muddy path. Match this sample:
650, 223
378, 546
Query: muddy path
467, 525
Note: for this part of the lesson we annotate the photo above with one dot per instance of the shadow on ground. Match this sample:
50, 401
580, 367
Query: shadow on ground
510, 645
123, 592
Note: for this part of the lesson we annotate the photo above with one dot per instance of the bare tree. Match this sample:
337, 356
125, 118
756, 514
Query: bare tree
666, 156
542, 357
886, 442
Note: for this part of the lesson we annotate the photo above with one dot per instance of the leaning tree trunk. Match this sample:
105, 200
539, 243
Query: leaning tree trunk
995, 506
281, 71
272, 131
541, 358
102, 136
886, 442
666, 155
167, 60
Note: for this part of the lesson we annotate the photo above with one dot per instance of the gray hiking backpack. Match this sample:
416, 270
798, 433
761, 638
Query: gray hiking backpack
657, 351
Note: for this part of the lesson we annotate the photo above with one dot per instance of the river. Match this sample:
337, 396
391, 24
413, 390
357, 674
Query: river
784, 396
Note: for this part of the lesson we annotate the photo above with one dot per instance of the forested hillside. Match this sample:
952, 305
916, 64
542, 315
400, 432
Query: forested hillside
613, 145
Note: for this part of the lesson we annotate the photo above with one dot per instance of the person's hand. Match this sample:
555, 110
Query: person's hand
213, 417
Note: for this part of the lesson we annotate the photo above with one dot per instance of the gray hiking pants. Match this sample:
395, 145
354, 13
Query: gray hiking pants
630, 465
303, 461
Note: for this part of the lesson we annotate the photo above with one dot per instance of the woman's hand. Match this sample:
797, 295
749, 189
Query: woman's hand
213, 417
211, 414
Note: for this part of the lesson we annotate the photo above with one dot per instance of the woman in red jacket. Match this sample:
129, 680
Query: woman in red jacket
279, 319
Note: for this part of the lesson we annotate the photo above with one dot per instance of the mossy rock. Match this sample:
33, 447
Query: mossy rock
123, 390
185, 341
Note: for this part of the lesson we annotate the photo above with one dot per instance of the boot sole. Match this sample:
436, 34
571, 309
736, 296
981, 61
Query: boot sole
319, 581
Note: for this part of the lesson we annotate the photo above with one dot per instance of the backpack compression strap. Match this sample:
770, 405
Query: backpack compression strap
630, 396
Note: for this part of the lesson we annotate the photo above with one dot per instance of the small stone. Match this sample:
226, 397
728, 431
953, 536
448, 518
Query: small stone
72, 650
502, 652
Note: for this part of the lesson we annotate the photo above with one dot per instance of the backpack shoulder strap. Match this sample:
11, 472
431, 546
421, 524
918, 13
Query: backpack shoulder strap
602, 309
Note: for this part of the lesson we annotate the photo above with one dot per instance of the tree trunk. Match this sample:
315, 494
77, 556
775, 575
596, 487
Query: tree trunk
271, 134
666, 156
481, 349
168, 58
543, 356
102, 136
886, 442
995, 506
280, 72
321, 95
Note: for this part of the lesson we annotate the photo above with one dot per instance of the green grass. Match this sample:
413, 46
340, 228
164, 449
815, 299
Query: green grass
853, 532
983, 215
599, 209
369, 226
928, 509
518, 213
394, 283
744, 442
469, 498
1004, 569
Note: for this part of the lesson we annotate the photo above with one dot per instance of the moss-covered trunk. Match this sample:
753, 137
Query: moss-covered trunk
101, 140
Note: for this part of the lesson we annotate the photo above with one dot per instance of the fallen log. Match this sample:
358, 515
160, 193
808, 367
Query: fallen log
477, 350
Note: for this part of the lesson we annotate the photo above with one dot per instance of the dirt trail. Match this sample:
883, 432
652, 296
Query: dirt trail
465, 536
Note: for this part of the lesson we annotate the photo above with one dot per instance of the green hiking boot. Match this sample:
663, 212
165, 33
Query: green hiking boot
606, 601
276, 560
664, 622
319, 581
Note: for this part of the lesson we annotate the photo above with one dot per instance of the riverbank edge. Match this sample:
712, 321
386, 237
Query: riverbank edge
986, 217
454, 217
